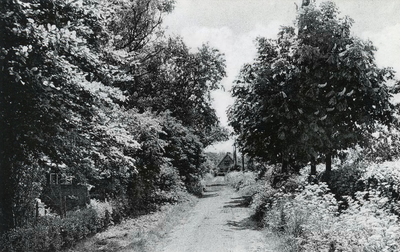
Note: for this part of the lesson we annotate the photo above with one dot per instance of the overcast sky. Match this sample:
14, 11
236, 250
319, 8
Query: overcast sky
232, 26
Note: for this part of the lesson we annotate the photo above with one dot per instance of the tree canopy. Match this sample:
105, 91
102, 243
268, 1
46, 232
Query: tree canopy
311, 92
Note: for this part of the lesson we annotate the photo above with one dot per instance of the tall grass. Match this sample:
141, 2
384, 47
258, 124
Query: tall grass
309, 220
139, 234
241, 180
298, 216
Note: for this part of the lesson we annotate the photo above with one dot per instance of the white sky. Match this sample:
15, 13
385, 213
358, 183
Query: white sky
232, 25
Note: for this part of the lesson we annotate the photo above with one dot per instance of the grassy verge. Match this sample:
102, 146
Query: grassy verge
139, 234
276, 242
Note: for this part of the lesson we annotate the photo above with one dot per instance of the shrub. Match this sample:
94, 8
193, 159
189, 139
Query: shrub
170, 187
196, 188
309, 220
37, 238
239, 180
385, 178
51, 233
355, 175
367, 225
266, 193
208, 177
346, 180
262, 200
104, 211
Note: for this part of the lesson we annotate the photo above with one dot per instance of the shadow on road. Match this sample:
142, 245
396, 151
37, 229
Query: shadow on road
214, 187
209, 195
243, 201
217, 184
246, 223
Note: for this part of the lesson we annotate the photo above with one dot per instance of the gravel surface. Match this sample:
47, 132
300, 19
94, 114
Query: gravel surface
219, 222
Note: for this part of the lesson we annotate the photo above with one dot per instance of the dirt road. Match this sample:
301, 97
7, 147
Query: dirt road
218, 223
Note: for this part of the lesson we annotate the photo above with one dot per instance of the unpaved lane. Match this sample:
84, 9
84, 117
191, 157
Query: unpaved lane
218, 223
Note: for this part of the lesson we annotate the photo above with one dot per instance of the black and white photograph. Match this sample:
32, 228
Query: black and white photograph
199, 125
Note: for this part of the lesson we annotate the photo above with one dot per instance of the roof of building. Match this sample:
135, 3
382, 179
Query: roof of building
228, 155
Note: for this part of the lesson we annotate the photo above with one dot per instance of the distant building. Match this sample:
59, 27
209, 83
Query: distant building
225, 165
61, 195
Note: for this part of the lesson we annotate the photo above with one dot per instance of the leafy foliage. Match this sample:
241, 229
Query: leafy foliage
53, 233
311, 222
240, 180
361, 215
45, 94
383, 145
184, 150
180, 81
77, 80
311, 93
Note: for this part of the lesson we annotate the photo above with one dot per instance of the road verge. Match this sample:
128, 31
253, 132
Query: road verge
138, 234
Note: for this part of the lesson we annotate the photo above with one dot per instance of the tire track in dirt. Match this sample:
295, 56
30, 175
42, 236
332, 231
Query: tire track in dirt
218, 223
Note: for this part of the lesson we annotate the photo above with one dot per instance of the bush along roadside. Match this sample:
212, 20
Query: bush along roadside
52, 233
309, 220
310, 217
141, 233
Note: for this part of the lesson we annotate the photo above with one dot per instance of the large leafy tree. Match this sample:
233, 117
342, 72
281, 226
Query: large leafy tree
166, 74
28, 118
181, 81
310, 93
355, 97
53, 80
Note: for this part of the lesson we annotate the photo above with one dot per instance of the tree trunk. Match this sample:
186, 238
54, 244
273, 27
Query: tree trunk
328, 166
285, 165
234, 156
313, 171
242, 161
6, 197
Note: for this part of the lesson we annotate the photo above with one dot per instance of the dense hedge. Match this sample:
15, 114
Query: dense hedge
51, 233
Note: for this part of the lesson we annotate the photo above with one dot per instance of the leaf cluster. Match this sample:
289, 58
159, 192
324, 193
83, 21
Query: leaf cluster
314, 90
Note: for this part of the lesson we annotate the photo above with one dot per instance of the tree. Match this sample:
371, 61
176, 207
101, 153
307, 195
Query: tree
185, 151
53, 80
137, 24
265, 118
310, 93
173, 85
165, 74
355, 97
171, 81
180, 81
28, 115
